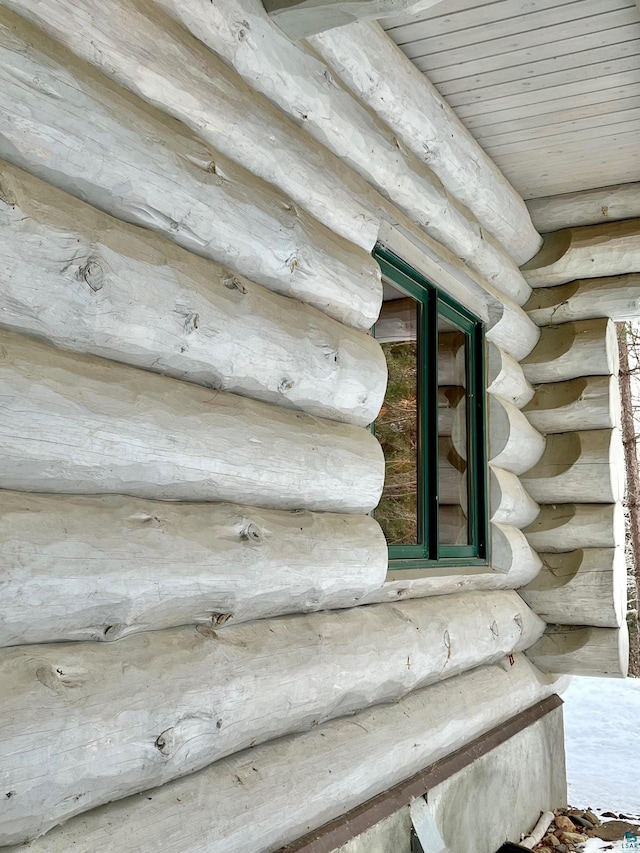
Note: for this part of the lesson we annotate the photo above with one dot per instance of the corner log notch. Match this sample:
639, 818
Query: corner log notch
593, 251
84, 425
572, 350
84, 281
333, 767
617, 297
567, 526
580, 650
202, 695
587, 207
588, 402
583, 587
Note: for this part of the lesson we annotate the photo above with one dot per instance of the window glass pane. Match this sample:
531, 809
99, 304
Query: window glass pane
396, 426
452, 435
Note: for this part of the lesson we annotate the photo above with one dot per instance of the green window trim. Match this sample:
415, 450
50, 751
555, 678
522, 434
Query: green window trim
433, 304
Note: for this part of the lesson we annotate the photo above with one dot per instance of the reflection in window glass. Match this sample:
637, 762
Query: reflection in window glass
452, 435
396, 427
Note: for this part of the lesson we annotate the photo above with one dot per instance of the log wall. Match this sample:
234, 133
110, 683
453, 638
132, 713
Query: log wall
188, 203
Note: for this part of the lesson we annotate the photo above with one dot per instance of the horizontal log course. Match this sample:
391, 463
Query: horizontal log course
510, 503
587, 207
565, 527
186, 80
617, 297
583, 587
514, 444
593, 251
373, 67
510, 329
84, 425
574, 650
582, 348
193, 194
304, 88
100, 568
505, 377
512, 555
200, 696
83, 281
588, 402
303, 18
332, 768
585, 467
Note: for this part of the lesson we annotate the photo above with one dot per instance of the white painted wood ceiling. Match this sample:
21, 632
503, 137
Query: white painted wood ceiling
549, 88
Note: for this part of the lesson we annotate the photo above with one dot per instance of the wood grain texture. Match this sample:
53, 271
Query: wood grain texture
81, 280
371, 65
142, 166
589, 402
617, 297
583, 587
100, 568
594, 251
187, 81
565, 527
333, 767
572, 350
588, 207
84, 425
165, 704
574, 650
585, 466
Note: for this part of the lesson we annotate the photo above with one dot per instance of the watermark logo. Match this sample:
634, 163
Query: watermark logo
630, 841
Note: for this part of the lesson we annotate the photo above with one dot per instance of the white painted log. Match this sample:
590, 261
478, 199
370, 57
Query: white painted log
144, 167
165, 704
185, 80
83, 281
585, 467
373, 67
514, 444
565, 527
452, 479
509, 502
617, 297
512, 555
99, 568
505, 377
583, 348
593, 251
584, 587
84, 425
511, 329
589, 402
241, 33
573, 650
449, 398
302, 18
332, 768
585, 208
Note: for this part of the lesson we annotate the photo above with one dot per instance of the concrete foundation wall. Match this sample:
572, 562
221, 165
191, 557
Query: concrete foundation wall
500, 795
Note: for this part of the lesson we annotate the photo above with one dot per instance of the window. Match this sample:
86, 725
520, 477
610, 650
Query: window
433, 509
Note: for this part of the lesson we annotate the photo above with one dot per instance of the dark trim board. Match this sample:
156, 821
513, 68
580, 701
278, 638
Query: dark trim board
358, 820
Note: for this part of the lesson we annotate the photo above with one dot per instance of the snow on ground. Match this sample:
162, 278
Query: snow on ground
602, 743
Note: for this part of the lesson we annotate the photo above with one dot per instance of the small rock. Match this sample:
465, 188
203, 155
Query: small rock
550, 841
545, 850
565, 823
574, 837
592, 818
581, 821
562, 848
609, 814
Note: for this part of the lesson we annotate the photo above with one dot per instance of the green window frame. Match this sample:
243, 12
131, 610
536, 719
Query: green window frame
433, 304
